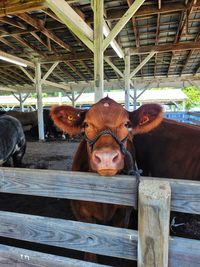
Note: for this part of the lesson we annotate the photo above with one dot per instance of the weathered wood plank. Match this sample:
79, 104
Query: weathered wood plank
13, 256
69, 185
184, 252
153, 223
185, 195
18, 6
98, 239
92, 187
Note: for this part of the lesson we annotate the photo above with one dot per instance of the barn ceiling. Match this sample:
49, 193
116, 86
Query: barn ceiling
31, 31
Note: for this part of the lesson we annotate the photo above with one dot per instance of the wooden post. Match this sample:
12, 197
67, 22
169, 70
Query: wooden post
135, 99
127, 79
153, 223
60, 98
21, 102
98, 49
73, 99
39, 100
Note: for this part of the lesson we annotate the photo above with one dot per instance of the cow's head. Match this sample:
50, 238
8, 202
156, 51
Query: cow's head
106, 125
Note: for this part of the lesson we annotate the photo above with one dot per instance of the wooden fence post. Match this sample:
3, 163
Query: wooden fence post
153, 223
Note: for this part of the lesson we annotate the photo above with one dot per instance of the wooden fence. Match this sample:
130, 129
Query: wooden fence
149, 245
184, 116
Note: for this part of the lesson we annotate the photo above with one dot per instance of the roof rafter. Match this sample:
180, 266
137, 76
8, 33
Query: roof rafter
36, 23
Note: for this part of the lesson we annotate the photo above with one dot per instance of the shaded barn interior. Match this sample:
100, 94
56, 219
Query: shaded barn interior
163, 41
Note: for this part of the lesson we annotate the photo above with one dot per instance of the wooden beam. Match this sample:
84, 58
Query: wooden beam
73, 21
58, 85
87, 68
36, 23
122, 22
109, 61
12, 22
27, 74
117, 48
151, 54
185, 20
8, 89
165, 48
127, 79
98, 49
73, 57
9, 44
54, 74
144, 11
14, 256
75, 70
27, 44
70, 234
66, 73
17, 6
37, 37
49, 72
38, 87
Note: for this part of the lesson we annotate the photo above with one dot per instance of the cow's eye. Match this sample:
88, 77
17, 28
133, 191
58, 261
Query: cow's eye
85, 125
127, 124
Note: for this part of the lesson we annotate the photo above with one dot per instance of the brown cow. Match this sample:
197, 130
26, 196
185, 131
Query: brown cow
171, 150
105, 146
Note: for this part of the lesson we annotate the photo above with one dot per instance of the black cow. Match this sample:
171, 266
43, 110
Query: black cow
12, 141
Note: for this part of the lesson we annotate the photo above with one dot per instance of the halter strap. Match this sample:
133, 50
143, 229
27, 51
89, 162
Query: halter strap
107, 132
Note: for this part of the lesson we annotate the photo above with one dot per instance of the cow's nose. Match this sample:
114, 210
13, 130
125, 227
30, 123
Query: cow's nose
106, 160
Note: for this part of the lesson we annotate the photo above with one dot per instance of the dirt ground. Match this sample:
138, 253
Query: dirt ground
53, 155
58, 155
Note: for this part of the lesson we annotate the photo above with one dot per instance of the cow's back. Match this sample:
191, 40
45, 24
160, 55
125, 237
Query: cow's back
26, 118
11, 137
172, 150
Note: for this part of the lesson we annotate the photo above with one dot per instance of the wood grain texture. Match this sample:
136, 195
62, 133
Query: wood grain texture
184, 252
121, 189
98, 239
13, 256
153, 223
69, 185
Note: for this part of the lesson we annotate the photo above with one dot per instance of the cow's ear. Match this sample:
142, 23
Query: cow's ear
68, 119
146, 118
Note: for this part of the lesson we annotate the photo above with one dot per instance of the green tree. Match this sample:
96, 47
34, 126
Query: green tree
193, 96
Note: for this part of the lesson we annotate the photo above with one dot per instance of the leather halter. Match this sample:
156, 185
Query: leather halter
124, 151
107, 132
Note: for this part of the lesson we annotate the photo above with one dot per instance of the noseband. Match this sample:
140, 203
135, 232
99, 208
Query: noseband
107, 132
131, 170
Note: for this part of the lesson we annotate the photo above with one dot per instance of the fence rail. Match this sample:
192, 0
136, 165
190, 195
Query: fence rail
184, 116
99, 239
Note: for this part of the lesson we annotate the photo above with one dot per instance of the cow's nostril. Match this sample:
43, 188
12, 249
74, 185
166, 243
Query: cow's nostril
97, 158
115, 158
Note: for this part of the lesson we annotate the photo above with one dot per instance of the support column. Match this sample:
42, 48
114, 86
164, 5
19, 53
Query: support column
73, 99
21, 103
60, 98
98, 49
127, 79
38, 86
135, 99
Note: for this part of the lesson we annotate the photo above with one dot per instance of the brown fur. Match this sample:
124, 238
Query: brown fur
171, 150
146, 118
67, 118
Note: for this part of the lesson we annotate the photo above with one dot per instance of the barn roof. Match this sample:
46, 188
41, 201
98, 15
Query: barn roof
31, 31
